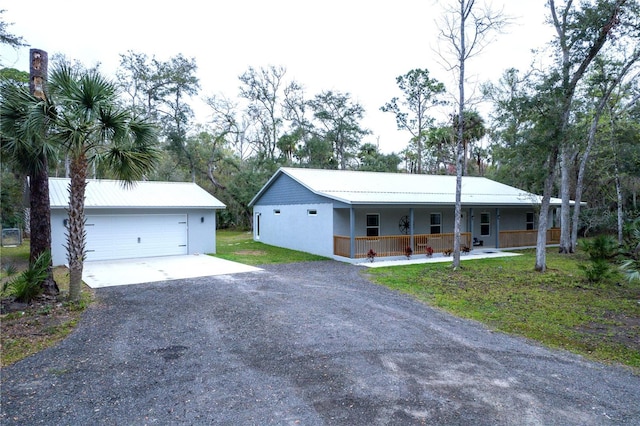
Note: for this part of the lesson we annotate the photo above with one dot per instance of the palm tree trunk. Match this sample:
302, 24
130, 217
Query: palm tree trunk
76, 234
40, 224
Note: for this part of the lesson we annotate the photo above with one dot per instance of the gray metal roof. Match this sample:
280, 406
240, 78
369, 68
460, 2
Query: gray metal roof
149, 194
355, 187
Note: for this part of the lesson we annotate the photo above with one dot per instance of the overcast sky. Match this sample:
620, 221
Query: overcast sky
352, 46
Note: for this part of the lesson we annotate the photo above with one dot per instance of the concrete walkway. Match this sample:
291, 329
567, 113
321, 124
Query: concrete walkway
107, 273
382, 262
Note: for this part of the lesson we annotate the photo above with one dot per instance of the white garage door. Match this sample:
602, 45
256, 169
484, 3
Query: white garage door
131, 236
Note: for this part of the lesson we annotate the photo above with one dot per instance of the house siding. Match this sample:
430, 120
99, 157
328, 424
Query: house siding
285, 190
293, 227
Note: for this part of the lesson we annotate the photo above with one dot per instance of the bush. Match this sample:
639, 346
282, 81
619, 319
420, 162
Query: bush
601, 250
631, 270
631, 250
27, 286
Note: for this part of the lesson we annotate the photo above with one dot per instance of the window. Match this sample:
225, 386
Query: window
373, 225
530, 222
435, 223
258, 225
276, 211
485, 224
312, 212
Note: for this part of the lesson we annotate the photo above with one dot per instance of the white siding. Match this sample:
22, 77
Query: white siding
200, 228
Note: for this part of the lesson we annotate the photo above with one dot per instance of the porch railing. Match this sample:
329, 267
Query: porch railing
527, 238
395, 245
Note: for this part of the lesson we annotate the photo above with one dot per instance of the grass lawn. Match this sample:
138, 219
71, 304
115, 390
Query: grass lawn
239, 246
557, 308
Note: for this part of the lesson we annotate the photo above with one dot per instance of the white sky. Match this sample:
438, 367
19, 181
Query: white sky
353, 46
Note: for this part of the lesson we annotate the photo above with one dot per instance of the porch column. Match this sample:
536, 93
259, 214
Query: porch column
471, 223
497, 228
352, 233
411, 229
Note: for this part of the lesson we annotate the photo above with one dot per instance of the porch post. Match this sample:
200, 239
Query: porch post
497, 228
471, 223
411, 229
352, 233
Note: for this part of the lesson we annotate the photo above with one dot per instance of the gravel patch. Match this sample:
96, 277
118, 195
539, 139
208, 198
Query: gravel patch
307, 343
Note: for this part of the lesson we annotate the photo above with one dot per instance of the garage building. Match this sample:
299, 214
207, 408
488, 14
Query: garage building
146, 219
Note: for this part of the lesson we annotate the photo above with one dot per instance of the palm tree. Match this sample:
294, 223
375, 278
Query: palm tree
474, 130
90, 126
23, 130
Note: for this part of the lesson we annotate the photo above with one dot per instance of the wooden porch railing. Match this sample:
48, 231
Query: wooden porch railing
527, 238
395, 245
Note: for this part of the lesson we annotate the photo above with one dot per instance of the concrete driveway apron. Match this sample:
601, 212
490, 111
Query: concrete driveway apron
301, 344
109, 273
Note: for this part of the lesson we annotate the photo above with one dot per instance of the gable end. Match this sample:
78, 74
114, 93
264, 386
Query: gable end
284, 190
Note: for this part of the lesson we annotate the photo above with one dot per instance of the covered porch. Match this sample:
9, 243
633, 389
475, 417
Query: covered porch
395, 245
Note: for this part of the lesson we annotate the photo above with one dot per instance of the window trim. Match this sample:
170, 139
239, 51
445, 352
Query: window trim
431, 225
376, 227
312, 212
487, 224
531, 222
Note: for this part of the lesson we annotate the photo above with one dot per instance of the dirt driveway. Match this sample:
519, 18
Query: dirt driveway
308, 344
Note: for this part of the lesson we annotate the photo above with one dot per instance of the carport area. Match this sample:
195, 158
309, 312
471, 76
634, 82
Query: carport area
108, 273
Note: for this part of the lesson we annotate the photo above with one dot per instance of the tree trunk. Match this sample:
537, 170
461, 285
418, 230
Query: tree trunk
460, 140
565, 215
543, 219
40, 224
40, 208
581, 171
620, 201
76, 233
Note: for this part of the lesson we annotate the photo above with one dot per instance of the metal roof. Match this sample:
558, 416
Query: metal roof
356, 187
150, 194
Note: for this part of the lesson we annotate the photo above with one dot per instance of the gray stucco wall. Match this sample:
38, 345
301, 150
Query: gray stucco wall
201, 233
294, 227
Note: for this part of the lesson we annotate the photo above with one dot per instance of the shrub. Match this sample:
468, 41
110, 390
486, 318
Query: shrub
600, 247
27, 286
601, 250
447, 252
630, 267
631, 270
10, 269
429, 251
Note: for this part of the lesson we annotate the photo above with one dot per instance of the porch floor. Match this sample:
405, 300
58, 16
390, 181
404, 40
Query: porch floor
476, 253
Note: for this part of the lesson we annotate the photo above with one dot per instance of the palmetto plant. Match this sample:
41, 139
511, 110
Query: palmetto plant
88, 125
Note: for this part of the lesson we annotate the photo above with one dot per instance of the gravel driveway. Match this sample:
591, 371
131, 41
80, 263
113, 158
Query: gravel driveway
309, 344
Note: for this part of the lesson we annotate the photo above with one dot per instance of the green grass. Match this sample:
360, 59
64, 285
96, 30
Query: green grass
557, 308
239, 246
